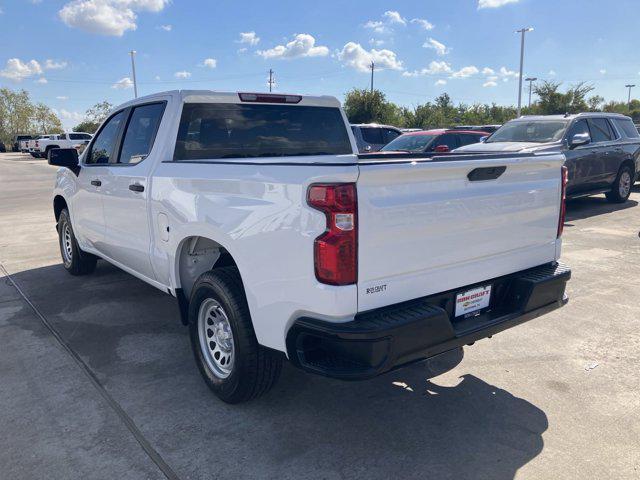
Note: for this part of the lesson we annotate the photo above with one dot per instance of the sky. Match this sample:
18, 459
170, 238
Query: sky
71, 54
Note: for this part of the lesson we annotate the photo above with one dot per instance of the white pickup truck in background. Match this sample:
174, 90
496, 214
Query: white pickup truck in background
279, 240
40, 147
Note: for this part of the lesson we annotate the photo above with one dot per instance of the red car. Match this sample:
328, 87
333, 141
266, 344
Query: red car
440, 140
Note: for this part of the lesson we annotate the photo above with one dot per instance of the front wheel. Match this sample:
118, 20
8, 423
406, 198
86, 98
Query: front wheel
622, 186
224, 344
75, 261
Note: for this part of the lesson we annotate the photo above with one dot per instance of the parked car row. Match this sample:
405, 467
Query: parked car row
39, 145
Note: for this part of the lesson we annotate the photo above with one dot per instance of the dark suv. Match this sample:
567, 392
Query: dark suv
602, 150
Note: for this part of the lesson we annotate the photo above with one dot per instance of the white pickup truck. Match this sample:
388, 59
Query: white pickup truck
278, 240
40, 147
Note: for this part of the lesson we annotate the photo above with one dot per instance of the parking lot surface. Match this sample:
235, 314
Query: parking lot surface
97, 379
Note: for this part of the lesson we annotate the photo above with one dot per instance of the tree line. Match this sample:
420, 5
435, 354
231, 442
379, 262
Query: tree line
365, 106
19, 115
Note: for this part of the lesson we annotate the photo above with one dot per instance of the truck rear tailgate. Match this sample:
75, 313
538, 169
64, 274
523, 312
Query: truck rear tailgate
427, 226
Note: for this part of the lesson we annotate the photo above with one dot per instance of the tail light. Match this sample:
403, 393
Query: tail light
336, 250
36, 144
563, 199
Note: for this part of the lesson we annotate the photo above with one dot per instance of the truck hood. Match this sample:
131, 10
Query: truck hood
509, 147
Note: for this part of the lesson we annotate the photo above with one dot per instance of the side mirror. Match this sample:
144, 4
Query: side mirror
442, 149
63, 157
579, 139
367, 148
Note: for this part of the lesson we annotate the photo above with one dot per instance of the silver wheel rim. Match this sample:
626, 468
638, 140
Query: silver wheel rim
67, 246
216, 338
625, 184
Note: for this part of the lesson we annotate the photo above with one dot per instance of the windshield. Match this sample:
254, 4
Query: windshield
409, 143
535, 131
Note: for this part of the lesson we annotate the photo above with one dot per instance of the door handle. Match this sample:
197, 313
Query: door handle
96, 183
485, 173
136, 187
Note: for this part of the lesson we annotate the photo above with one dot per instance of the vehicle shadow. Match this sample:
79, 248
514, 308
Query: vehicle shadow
585, 207
399, 425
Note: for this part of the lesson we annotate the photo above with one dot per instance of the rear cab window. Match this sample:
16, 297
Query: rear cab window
228, 130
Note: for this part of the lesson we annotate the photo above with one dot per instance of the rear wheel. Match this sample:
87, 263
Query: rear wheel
75, 261
224, 344
622, 186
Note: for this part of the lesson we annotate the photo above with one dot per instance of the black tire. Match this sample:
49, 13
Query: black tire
621, 188
255, 369
74, 260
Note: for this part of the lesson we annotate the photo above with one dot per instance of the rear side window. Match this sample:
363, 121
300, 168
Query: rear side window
79, 136
626, 127
373, 135
141, 132
390, 134
600, 130
209, 131
62, 136
448, 139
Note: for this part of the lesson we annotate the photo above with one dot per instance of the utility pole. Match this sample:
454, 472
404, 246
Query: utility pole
271, 80
522, 32
530, 80
133, 70
373, 66
629, 86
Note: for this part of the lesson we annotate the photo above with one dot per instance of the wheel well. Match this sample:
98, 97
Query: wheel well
58, 205
198, 255
631, 164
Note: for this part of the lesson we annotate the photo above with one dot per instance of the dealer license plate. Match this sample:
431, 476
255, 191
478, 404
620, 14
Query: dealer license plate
472, 300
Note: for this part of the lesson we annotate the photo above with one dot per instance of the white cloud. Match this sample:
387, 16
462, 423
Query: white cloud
166, 28
53, 65
506, 73
488, 71
465, 72
354, 56
62, 97
377, 26
426, 24
18, 70
210, 63
242, 50
394, 17
376, 42
182, 74
434, 68
69, 115
250, 38
490, 83
440, 82
602, 71
303, 45
433, 44
389, 18
42, 81
123, 84
494, 3
107, 17
157, 78
552, 73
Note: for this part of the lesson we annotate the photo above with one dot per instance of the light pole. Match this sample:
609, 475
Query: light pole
133, 70
530, 80
629, 86
522, 31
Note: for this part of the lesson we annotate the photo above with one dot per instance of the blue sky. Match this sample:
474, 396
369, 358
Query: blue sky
71, 54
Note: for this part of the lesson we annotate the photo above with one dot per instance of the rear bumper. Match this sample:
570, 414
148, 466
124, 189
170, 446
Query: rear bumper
386, 338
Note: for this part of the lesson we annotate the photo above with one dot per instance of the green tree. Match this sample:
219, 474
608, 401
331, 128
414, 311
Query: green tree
364, 106
94, 117
552, 102
17, 112
45, 120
